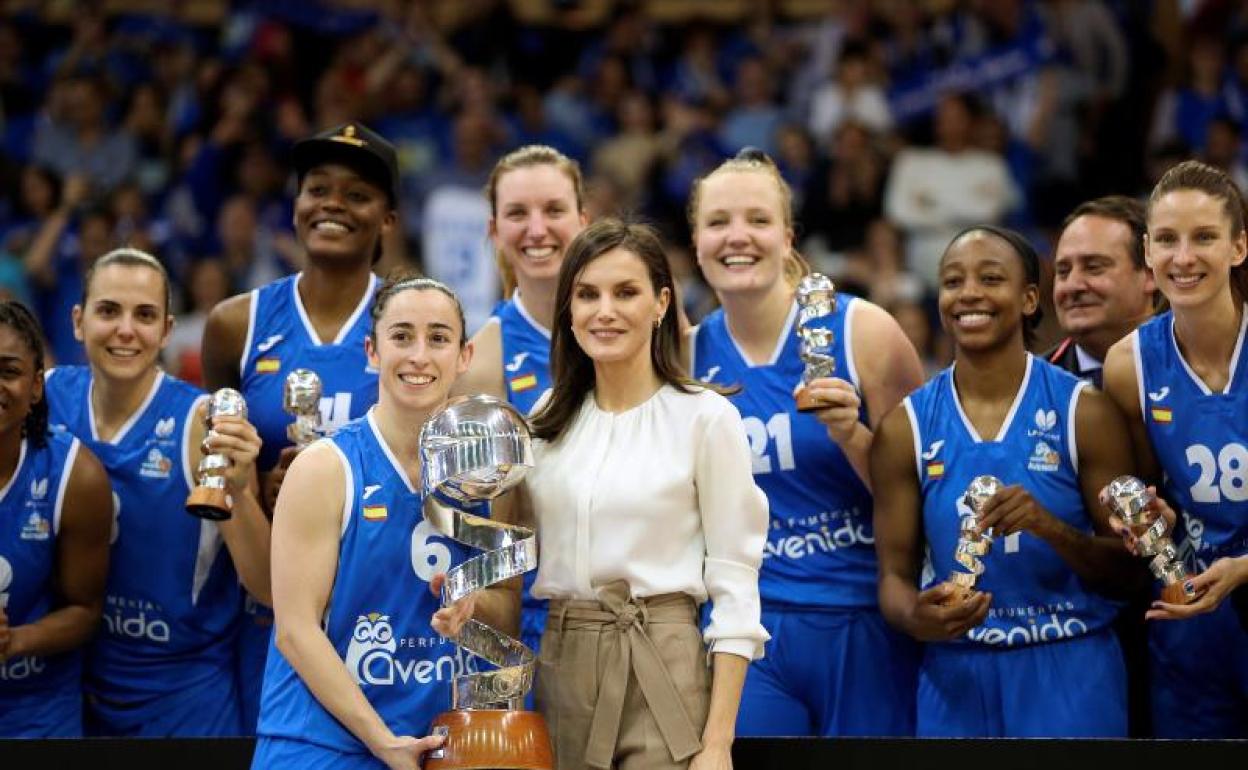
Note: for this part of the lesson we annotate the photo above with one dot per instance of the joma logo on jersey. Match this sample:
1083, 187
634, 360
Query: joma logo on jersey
371, 657
156, 465
1051, 630
1044, 458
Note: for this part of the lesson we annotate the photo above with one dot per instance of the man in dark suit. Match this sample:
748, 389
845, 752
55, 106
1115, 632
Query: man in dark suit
1102, 289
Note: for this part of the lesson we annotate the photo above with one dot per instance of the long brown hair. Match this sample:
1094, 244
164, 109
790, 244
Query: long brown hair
754, 160
571, 369
1216, 183
526, 157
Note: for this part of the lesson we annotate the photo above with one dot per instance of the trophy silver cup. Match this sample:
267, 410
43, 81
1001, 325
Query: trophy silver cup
301, 398
973, 545
475, 449
1129, 501
211, 499
816, 299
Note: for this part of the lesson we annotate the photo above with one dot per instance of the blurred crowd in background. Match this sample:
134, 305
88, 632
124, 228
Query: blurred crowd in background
167, 126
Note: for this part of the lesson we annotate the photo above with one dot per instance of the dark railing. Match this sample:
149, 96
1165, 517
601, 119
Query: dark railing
748, 754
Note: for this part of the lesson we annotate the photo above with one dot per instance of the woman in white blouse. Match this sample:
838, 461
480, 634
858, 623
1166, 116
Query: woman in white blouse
645, 507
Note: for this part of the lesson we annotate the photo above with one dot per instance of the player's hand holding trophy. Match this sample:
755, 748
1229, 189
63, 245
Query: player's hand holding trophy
211, 498
816, 300
973, 545
472, 450
1131, 503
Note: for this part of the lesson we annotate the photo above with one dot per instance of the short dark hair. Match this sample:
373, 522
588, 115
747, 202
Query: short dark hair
1118, 208
18, 317
1031, 267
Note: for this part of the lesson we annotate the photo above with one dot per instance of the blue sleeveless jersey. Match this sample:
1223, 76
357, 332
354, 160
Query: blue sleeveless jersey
1036, 597
171, 607
280, 339
379, 607
1201, 440
526, 354
30, 516
820, 550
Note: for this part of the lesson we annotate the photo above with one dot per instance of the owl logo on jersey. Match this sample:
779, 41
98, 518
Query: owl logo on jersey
370, 656
38, 489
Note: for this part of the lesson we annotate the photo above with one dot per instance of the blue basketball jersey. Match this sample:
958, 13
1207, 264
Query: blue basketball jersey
30, 517
1201, 440
171, 607
280, 339
526, 354
820, 549
1036, 597
379, 608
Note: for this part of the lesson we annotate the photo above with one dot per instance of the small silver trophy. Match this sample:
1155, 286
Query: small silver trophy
301, 398
973, 545
475, 449
211, 499
1129, 501
816, 299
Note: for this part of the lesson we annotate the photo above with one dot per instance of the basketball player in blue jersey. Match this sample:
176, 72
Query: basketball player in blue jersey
536, 205
1182, 379
833, 666
54, 521
163, 662
1032, 652
358, 669
315, 320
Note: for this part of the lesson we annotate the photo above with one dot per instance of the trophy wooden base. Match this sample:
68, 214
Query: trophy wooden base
212, 503
807, 402
959, 595
492, 739
1174, 594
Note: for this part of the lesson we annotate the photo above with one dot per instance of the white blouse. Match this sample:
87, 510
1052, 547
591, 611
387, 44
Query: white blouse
662, 496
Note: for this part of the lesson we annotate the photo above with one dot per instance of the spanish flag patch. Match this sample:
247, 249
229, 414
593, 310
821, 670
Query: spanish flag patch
268, 365
375, 512
935, 469
522, 383
1162, 414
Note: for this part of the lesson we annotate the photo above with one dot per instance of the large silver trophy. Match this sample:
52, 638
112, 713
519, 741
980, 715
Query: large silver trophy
211, 499
472, 450
973, 545
1130, 501
301, 399
816, 299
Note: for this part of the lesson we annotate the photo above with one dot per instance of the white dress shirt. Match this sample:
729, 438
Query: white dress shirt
661, 495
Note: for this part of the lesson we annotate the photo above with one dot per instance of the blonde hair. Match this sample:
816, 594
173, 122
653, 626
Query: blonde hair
752, 160
526, 157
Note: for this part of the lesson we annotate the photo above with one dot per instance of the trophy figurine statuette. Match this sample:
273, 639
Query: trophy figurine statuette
972, 544
1129, 501
816, 298
211, 499
301, 398
472, 450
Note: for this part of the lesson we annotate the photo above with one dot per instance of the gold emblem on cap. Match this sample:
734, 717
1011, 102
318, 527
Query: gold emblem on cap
348, 136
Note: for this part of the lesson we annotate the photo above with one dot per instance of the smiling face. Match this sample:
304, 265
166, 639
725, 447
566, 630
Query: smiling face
535, 218
1191, 248
21, 382
615, 308
123, 323
984, 293
340, 214
1097, 287
418, 348
740, 231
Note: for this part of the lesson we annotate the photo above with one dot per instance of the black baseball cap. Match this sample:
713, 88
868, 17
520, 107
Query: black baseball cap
355, 145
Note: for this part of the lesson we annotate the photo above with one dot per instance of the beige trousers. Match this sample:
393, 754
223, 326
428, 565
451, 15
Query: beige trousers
623, 683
